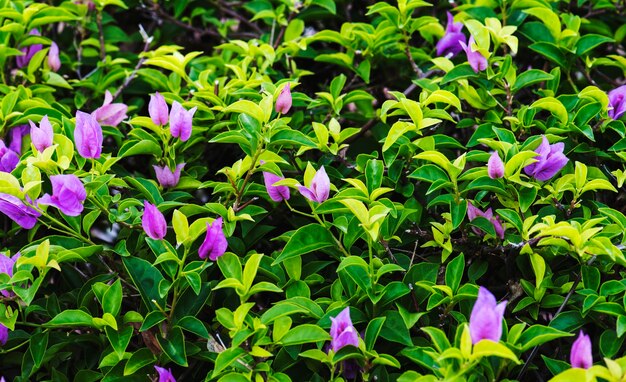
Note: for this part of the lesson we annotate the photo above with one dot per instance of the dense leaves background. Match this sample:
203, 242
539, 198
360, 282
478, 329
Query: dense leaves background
404, 136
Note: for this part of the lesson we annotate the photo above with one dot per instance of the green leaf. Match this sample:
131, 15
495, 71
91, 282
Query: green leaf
459, 72
554, 106
303, 334
112, 299
329, 5
589, 41
530, 77
119, 339
490, 348
247, 107
373, 330
146, 278
309, 238
174, 346
226, 358
539, 334
71, 317
37, 347
138, 360
454, 272
551, 52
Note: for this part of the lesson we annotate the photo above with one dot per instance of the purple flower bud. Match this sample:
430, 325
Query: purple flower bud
6, 266
88, 136
319, 189
477, 61
342, 332
215, 243
153, 221
473, 213
4, 337
180, 121
158, 110
29, 51
580, 355
495, 166
16, 134
25, 216
283, 102
68, 194
449, 45
549, 161
486, 318
110, 114
166, 177
41, 136
165, 375
8, 158
53, 57
276, 193
617, 102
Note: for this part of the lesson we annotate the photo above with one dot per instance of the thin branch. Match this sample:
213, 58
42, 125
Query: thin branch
147, 40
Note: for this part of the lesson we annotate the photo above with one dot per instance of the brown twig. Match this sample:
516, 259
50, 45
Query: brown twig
282, 30
103, 51
147, 40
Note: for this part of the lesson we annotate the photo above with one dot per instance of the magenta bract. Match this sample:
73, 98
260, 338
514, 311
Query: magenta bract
6, 266
166, 177
88, 136
477, 61
41, 136
110, 114
29, 51
25, 216
158, 110
495, 166
319, 189
68, 194
54, 62
449, 45
486, 318
283, 102
276, 193
581, 355
473, 212
342, 332
215, 243
549, 161
181, 121
153, 221
8, 158
617, 102
165, 375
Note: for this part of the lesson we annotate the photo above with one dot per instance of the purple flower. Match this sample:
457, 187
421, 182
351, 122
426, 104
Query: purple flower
617, 102
580, 355
319, 189
495, 166
53, 57
215, 243
8, 158
474, 212
283, 102
110, 114
276, 193
165, 375
68, 194
549, 161
16, 134
158, 110
449, 45
180, 121
41, 136
29, 51
153, 221
166, 177
477, 61
4, 337
25, 216
6, 266
88, 136
486, 318
342, 332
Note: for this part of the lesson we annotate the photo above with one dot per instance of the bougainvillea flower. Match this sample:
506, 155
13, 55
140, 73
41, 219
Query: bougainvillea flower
41, 136
215, 243
617, 102
4, 337
319, 189
29, 51
166, 177
8, 158
181, 121
158, 110
68, 194
25, 216
549, 161
6, 266
153, 221
110, 114
495, 166
342, 332
580, 355
283, 102
16, 134
276, 193
88, 136
165, 375
473, 212
449, 45
477, 61
486, 318
54, 62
